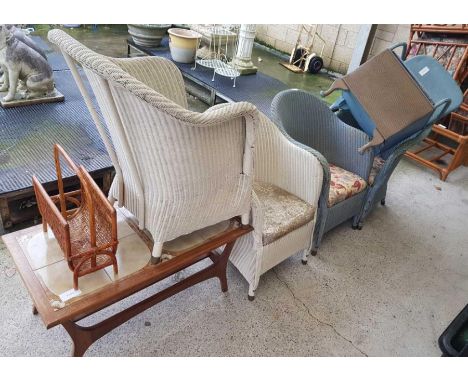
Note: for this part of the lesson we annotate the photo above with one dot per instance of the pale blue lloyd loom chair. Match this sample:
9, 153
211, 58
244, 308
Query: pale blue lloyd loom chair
356, 179
309, 121
408, 95
362, 176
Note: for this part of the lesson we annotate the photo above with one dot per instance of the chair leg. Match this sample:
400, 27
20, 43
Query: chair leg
245, 219
357, 226
156, 254
251, 295
304, 257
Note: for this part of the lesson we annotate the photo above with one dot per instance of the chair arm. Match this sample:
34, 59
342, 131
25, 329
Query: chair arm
257, 217
288, 164
157, 73
396, 154
164, 77
216, 107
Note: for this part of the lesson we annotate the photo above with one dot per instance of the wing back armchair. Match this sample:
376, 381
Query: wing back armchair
308, 120
356, 182
176, 170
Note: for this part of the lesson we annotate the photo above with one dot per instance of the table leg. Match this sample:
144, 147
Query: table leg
84, 337
81, 337
5, 221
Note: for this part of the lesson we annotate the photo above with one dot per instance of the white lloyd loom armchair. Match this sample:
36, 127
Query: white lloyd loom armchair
177, 171
288, 182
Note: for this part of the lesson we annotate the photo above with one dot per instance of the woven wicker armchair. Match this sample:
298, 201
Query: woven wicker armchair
308, 120
288, 184
176, 170
354, 182
86, 233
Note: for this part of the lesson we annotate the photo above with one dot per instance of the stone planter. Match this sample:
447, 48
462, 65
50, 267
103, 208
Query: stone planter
183, 44
148, 35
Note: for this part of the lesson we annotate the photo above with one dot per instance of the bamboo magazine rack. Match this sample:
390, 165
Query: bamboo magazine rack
86, 233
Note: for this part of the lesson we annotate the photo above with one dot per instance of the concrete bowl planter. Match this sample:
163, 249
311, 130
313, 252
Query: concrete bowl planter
148, 35
183, 44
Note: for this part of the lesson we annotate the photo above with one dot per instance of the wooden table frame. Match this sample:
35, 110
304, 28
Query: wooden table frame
84, 337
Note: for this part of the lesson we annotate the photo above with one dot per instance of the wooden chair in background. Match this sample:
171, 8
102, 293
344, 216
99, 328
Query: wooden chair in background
446, 148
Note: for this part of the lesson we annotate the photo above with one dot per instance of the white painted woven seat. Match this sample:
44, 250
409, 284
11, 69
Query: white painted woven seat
177, 171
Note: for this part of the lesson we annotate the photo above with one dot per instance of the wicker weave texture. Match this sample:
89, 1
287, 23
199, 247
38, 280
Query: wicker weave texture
280, 161
181, 170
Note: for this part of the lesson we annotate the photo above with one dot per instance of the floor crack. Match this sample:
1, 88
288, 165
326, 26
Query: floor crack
314, 317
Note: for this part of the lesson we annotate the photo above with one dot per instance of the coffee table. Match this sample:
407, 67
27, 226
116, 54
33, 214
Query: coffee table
71, 311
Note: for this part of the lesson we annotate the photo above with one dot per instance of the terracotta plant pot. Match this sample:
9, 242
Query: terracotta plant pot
183, 44
148, 35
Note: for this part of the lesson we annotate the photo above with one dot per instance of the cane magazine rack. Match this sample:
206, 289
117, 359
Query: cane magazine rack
86, 232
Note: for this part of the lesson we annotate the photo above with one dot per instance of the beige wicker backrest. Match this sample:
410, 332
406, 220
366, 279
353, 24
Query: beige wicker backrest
168, 82
177, 170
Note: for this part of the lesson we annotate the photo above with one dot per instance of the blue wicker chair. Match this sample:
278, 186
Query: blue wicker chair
309, 121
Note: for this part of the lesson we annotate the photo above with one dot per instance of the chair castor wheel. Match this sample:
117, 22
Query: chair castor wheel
357, 226
304, 262
251, 298
382, 202
313, 252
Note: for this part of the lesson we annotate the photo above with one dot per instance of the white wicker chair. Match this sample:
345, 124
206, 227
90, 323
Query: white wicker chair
287, 187
176, 170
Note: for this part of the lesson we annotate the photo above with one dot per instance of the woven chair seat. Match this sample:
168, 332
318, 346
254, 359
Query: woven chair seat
283, 211
343, 185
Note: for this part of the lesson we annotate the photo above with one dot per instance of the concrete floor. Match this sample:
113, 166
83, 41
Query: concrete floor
388, 290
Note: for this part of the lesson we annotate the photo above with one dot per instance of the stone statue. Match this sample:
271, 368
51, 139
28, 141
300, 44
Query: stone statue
23, 37
21, 59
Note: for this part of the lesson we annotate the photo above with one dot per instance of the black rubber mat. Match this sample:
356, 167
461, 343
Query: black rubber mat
56, 60
258, 89
28, 133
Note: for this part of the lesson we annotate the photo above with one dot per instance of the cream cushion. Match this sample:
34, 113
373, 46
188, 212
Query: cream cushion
282, 211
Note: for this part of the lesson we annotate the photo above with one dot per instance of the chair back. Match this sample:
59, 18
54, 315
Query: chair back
177, 170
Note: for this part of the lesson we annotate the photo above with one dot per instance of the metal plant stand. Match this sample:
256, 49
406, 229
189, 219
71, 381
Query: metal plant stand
220, 52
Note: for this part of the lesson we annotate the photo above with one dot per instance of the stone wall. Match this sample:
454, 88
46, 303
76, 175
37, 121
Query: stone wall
340, 40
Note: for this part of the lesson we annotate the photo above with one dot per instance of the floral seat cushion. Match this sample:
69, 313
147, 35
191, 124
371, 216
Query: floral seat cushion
376, 167
343, 185
283, 212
